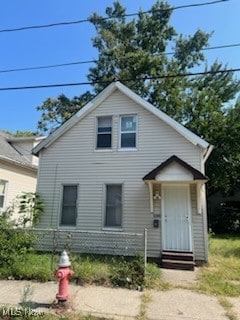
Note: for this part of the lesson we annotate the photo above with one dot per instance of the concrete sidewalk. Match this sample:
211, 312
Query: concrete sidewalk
176, 304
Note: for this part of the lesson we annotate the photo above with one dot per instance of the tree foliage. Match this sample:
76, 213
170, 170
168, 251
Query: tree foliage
56, 111
135, 51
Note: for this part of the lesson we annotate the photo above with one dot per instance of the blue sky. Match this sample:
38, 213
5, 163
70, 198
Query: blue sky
73, 43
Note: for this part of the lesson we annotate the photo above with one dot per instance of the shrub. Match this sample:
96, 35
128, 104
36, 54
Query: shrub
17, 243
128, 273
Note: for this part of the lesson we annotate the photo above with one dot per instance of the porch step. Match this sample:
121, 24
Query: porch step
178, 260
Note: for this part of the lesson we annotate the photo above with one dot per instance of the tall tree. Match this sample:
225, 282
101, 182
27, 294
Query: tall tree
135, 51
55, 111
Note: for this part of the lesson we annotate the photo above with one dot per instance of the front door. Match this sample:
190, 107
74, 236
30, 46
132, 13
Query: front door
176, 217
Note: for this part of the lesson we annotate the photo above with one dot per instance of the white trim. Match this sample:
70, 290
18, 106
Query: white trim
62, 226
6, 182
96, 134
133, 131
111, 228
89, 107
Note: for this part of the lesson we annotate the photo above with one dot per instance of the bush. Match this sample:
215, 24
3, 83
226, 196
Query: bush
15, 243
226, 220
128, 273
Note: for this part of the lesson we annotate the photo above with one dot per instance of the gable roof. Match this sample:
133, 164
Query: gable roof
10, 154
197, 175
94, 103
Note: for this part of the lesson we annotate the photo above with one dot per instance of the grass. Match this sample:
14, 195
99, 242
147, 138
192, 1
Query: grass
221, 276
228, 308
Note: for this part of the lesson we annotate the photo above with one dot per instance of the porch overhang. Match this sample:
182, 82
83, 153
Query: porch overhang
174, 170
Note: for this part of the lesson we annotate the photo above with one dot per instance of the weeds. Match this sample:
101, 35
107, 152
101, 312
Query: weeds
228, 308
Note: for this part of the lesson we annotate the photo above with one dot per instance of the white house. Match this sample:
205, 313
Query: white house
18, 167
118, 166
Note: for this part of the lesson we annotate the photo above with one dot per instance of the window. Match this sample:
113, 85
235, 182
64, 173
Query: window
3, 185
113, 215
104, 133
128, 131
69, 205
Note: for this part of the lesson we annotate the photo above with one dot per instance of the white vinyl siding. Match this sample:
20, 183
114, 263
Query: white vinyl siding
19, 180
73, 158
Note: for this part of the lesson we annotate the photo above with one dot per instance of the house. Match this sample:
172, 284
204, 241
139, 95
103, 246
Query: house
120, 166
18, 167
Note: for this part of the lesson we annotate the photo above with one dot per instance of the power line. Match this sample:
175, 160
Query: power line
123, 80
48, 66
66, 23
92, 61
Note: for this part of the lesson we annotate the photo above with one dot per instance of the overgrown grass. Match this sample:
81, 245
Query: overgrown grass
88, 269
221, 276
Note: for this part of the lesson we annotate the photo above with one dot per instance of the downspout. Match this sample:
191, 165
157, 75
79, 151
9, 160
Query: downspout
205, 157
207, 153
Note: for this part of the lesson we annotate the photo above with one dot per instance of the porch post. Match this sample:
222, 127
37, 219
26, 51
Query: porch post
150, 187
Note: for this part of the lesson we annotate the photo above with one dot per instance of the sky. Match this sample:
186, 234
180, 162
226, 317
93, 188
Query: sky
66, 44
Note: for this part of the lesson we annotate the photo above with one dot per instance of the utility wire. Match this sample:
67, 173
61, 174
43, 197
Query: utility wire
92, 61
66, 23
123, 80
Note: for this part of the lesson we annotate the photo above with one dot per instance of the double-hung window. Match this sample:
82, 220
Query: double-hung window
113, 210
128, 131
3, 185
104, 133
69, 205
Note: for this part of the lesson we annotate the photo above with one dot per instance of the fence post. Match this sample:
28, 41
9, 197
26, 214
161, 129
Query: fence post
145, 250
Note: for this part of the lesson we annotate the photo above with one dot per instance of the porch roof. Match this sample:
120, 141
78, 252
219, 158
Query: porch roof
197, 175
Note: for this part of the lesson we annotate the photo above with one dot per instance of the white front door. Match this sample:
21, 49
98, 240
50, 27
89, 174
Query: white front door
176, 217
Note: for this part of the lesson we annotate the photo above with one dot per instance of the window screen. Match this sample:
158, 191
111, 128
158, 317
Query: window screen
128, 132
69, 206
104, 133
113, 217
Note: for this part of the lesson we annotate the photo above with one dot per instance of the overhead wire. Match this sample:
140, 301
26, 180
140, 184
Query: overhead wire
95, 60
123, 80
66, 23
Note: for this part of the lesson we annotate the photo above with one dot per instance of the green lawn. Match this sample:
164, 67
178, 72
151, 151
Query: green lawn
221, 276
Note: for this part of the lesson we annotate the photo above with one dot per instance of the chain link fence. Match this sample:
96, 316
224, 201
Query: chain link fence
91, 242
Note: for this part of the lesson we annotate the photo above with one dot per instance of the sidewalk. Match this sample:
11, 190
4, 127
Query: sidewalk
176, 304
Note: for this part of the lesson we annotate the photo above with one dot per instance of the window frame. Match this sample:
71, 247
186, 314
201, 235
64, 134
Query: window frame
61, 206
4, 194
131, 131
103, 133
109, 227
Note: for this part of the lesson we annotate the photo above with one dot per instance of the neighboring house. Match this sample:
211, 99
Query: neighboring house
118, 166
18, 167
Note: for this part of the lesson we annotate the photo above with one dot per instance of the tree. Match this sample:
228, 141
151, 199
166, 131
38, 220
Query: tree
135, 52
56, 111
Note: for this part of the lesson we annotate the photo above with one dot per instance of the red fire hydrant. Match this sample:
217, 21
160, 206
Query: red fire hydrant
62, 274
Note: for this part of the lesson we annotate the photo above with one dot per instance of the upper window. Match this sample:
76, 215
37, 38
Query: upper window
113, 213
104, 133
3, 185
69, 206
128, 131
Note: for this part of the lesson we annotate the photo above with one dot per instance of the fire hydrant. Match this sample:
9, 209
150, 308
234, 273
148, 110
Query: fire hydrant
62, 274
